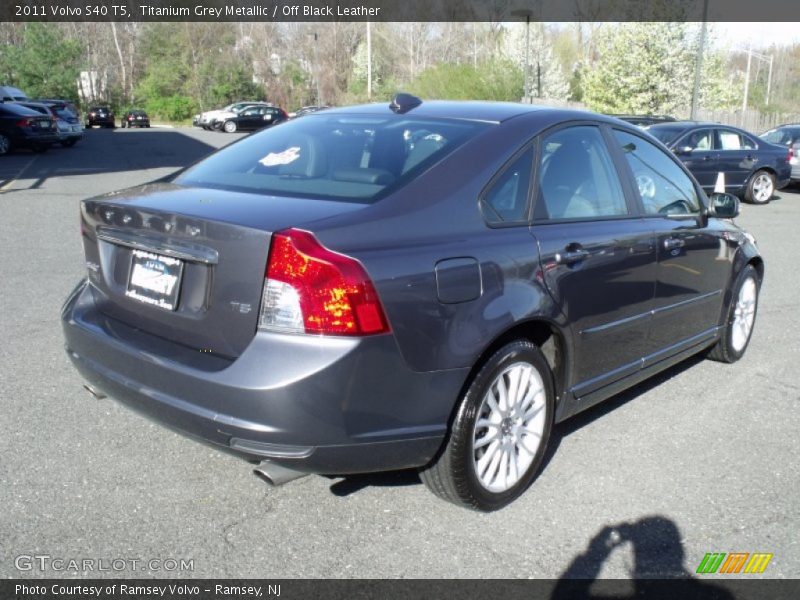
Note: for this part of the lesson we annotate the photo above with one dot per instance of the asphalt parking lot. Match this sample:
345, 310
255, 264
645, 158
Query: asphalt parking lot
702, 459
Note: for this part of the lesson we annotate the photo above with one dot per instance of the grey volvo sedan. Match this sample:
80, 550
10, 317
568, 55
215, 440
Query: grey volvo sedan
418, 284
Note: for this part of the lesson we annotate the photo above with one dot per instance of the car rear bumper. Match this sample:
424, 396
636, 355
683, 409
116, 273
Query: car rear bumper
312, 404
30, 140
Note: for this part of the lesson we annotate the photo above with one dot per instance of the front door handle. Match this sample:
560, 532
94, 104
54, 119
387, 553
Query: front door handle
673, 243
569, 257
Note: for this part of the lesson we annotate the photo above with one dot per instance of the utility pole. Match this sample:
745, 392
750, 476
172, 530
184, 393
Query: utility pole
747, 82
698, 67
369, 61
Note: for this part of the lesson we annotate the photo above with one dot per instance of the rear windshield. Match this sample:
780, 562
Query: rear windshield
781, 136
664, 133
18, 109
65, 113
335, 157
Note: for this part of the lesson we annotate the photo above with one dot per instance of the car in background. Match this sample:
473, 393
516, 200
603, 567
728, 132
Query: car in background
306, 110
644, 120
252, 118
22, 127
100, 115
213, 119
753, 168
70, 128
344, 303
135, 118
789, 136
12, 94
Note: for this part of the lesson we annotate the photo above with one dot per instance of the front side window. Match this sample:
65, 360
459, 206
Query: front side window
577, 178
357, 158
663, 186
702, 139
507, 199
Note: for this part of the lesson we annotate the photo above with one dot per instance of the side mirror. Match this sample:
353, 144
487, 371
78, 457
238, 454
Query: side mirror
683, 150
723, 206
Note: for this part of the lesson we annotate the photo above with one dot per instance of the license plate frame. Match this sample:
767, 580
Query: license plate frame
155, 279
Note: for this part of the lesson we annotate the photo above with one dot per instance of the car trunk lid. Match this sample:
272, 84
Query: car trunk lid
188, 264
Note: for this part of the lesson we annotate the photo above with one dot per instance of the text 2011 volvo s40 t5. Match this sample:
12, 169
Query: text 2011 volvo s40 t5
420, 284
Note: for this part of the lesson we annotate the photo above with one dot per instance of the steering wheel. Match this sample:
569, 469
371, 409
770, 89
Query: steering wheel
646, 185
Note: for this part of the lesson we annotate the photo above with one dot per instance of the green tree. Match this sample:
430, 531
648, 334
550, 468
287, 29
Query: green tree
46, 64
642, 68
492, 80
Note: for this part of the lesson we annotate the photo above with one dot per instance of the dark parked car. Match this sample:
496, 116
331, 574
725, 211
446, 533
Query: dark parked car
788, 136
100, 115
753, 168
254, 117
135, 118
324, 297
22, 127
306, 110
644, 120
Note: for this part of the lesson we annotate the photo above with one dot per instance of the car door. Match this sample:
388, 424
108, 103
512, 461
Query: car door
737, 157
697, 151
249, 118
597, 254
693, 257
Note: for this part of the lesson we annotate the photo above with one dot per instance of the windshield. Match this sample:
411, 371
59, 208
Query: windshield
334, 157
665, 133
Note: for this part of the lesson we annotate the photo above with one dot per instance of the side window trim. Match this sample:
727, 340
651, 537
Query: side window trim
622, 176
527, 214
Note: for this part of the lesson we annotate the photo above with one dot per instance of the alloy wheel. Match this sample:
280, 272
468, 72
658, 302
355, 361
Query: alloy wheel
509, 427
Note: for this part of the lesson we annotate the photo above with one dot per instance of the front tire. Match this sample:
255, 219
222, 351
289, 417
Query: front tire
760, 188
229, 127
5, 144
740, 318
500, 432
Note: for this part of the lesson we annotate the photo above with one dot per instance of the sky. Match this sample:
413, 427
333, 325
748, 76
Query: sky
761, 35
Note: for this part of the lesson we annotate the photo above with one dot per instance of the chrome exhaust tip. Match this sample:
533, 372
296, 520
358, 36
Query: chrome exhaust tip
275, 474
94, 391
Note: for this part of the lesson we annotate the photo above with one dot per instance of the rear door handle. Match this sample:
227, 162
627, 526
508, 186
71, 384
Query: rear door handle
673, 243
569, 257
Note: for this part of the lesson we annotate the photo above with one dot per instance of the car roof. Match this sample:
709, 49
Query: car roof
491, 112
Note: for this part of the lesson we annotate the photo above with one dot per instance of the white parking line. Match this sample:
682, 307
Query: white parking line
8, 184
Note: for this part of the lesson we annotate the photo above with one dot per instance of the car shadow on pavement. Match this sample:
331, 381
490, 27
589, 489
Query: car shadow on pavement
351, 484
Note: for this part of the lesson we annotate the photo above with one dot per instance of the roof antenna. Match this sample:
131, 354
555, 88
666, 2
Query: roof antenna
402, 103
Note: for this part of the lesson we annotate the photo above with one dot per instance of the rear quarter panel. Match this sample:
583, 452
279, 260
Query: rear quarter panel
401, 239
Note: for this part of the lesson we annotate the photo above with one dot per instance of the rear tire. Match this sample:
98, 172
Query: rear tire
760, 188
5, 144
69, 143
229, 127
740, 318
499, 434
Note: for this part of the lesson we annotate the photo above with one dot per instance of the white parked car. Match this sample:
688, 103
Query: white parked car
213, 119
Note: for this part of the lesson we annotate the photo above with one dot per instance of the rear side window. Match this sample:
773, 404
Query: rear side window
332, 157
506, 201
663, 186
577, 178
733, 140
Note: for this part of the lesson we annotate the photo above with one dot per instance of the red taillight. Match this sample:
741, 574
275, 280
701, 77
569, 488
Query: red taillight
24, 123
790, 155
311, 289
